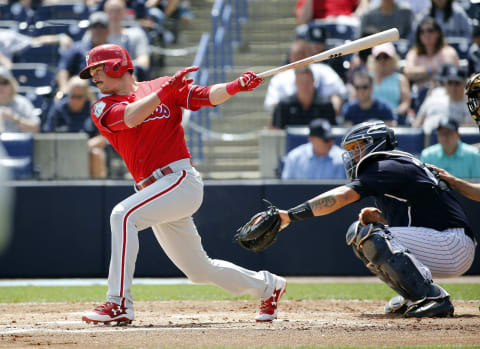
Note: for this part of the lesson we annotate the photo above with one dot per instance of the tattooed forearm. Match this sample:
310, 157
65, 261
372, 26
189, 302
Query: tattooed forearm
323, 202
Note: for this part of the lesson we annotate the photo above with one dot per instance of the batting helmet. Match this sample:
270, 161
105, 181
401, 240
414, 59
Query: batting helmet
115, 58
363, 139
472, 90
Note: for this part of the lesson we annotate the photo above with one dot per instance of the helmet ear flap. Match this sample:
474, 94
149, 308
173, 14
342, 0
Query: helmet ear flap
391, 141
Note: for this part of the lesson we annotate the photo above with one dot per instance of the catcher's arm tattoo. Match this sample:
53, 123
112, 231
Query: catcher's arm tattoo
323, 204
333, 200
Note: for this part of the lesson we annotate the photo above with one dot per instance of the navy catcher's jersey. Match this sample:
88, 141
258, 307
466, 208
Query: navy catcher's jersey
408, 194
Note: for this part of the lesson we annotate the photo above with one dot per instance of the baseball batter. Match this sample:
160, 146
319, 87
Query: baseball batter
142, 121
418, 229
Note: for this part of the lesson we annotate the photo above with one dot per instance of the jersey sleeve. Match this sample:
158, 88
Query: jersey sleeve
109, 115
194, 97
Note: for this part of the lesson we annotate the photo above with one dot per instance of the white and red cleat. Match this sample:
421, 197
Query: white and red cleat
268, 307
108, 313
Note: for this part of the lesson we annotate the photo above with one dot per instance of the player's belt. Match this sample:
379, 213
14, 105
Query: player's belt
179, 165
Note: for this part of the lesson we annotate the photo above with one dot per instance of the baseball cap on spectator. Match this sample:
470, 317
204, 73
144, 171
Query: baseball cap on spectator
321, 128
98, 17
455, 73
386, 48
451, 124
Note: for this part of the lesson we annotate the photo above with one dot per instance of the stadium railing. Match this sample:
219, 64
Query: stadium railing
215, 57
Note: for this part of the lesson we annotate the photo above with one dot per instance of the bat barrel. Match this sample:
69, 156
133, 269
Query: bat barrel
342, 50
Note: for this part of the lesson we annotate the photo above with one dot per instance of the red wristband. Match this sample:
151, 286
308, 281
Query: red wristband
233, 87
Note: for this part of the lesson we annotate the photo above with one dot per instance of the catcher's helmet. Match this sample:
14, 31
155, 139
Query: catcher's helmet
115, 58
363, 139
472, 90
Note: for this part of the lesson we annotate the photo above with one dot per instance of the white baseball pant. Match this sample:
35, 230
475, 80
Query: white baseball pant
167, 206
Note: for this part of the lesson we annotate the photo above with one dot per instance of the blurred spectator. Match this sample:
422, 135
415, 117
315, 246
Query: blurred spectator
304, 105
320, 158
451, 17
13, 43
365, 107
317, 36
308, 10
72, 61
474, 51
72, 114
358, 61
23, 11
389, 84
389, 14
451, 154
133, 39
17, 113
429, 51
446, 101
327, 83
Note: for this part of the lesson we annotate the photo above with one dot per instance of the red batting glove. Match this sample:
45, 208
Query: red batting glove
176, 82
246, 82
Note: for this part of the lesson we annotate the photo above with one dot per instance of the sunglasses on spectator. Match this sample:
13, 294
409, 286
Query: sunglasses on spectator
4, 82
362, 87
427, 30
77, 96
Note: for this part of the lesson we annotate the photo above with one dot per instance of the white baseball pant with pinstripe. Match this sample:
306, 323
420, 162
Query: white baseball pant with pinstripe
167, 206
444, 254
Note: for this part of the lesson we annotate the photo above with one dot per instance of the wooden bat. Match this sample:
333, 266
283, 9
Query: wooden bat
342, 50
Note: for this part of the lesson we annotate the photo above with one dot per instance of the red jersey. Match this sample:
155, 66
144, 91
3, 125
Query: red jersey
327, 8
159, 139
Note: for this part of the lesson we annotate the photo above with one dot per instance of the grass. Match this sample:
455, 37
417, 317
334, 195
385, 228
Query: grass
43, 294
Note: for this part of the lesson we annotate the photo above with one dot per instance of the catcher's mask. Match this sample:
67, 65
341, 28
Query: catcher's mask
115, 59
363, 139
472, 90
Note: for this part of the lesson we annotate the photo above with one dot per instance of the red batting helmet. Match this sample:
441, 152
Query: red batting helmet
116, 59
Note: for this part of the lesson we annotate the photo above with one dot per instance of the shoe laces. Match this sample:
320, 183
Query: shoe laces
266, 304
103, 306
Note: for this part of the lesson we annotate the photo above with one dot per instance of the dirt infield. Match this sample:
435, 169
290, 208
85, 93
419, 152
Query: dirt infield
230, 324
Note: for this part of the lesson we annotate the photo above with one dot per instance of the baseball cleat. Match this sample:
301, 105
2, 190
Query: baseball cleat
431, 308
268, 307
396, 305
108, 313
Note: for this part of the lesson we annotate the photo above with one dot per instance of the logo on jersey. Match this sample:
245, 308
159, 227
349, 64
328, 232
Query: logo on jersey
160, 112
98, 108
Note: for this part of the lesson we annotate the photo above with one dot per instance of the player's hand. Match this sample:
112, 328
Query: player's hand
445, 175
371, 215
248, 81
176, 82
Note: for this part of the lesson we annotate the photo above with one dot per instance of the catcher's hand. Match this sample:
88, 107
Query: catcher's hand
261, 230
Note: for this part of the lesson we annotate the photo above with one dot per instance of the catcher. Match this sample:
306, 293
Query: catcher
418, 229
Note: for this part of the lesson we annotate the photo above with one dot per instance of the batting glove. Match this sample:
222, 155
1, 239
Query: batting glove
246, 82
177, 81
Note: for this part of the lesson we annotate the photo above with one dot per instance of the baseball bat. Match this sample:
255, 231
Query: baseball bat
342, 50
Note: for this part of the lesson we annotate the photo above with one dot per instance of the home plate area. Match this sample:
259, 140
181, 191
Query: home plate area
191, 324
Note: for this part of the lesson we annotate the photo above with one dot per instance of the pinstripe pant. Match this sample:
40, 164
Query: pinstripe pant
447, 253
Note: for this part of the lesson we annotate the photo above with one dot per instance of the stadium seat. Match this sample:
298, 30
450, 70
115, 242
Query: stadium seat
72, 27
48, 54
461, 45
410, 140
469, 135
33, 74
74, 10
19, 147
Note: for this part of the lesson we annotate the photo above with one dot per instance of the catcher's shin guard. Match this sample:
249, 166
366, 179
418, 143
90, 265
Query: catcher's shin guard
398, 269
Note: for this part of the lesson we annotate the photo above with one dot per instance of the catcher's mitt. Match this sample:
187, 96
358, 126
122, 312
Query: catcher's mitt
261, 230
